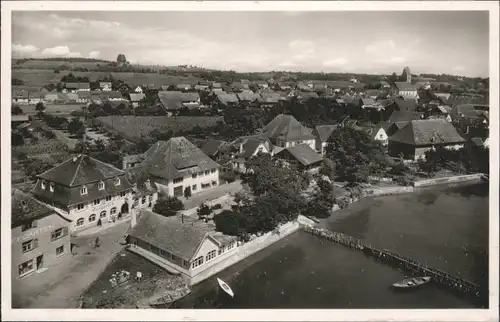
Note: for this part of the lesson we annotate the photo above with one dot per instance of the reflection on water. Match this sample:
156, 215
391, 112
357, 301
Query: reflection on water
445, 228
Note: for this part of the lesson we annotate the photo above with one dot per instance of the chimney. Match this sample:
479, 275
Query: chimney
133, 221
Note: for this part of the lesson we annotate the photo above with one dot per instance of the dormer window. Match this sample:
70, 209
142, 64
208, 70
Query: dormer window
51, 187
100, 185
42, 185
83, 190
117, 181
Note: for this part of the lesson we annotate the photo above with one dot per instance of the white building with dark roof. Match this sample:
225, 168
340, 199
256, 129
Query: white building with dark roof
85, 190
178, 165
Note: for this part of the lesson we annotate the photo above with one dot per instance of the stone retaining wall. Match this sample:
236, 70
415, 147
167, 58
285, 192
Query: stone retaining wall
246, 250
471, 178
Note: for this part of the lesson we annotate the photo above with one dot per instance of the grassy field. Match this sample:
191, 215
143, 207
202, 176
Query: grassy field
42, 77
52, 64
55, 109
132, 127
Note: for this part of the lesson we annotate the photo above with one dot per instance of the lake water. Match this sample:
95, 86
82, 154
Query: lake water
447, 228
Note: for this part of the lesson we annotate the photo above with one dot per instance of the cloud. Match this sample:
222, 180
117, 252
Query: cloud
380, 47
60, 51
94, 54
335, 62
19, 50
458, 69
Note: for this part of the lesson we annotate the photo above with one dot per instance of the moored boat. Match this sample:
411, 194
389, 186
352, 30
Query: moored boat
412, 282
225, 287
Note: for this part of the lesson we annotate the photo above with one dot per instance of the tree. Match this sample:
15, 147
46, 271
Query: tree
328, 169
168, 206
121, 59
232, 223
355, 154
40, 107
16, 110
203, 211
76, 126
99, 145
17, 139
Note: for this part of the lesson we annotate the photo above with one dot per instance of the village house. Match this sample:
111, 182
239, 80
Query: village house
247, 147
270, 99
178, 165
173, 101
216, 149
112, 96
84, 190
322, 134
248, 97
183, 87
418, 137
51, 97
306, 96
379, 133
227, 99
407, 90
302, 156
40, 236
35, 98
144, 191
74, 87
285, 131
261, 84
135, 98
83, 96
17, 120
20, 97
138, 89
105, 86
200, 88
180, 245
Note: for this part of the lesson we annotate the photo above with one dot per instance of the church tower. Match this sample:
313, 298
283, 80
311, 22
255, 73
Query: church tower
406, 74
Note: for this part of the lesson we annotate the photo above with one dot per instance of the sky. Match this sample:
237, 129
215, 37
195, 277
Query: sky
377, 42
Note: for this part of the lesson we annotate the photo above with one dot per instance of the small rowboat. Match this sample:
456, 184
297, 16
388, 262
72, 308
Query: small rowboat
225, 287
412, 282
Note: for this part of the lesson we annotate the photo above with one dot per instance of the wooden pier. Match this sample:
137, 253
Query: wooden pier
440, 277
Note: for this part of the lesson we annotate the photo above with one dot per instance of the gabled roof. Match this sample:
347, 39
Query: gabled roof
250, 146
83, 94
141, 180
368, 101
303, 153
175, 158
248, 96
170, 233
323, 132
226, 98
213, 146
404, 86
427, 132
405, 105
465, 110
400, 116
80, 170
286, 127
25, 208
77, 85
136, 97
271, 97
20, 118
172, 100
307, 95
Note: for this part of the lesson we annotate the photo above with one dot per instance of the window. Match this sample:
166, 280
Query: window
231, 245
214, 183
42, 185
79, 222
26, 267
193, 187
60, 250
222, 249
261, 149
211, 255
51, 187
92, 218
83, 190
29, 225
80, 206
102, 214
194, 175
113, 211
108, 198
59, 233
177, 180
185, 263
207, 172
205, 185
143, 200
97, 201
100, 185
117, 181
213, 170
197, 262
30, 245
123, 194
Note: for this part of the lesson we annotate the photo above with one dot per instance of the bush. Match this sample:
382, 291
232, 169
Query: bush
203, 211
342, 202
77, 113
228, 176
217, 206
168, 206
